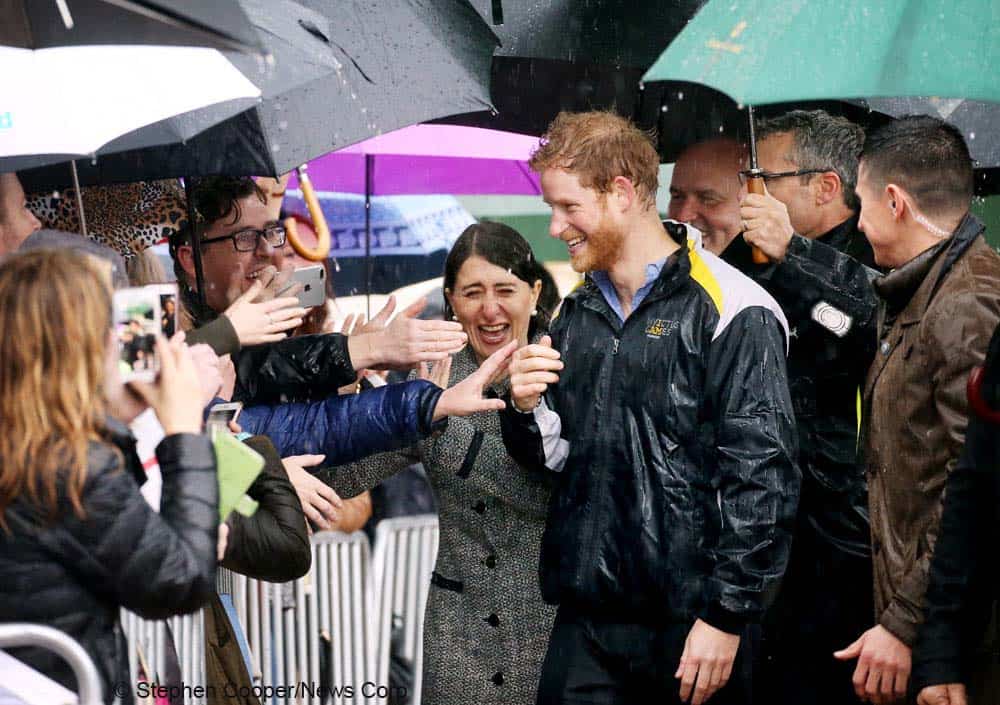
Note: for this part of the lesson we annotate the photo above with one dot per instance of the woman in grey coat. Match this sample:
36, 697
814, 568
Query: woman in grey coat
486, 627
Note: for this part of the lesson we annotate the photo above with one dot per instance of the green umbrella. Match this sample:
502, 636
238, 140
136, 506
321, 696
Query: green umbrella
776, 51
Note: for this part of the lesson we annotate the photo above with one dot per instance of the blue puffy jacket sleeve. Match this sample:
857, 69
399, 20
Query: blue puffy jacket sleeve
349, 427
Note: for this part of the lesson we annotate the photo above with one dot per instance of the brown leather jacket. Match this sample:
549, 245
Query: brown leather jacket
938, 313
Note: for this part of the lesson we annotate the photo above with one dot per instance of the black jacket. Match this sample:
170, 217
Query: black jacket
679, 492
827, 279
964, 579
77, 573
273, 543
302, 368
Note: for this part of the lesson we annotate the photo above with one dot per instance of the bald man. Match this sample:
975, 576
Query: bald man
806, 224
16, 221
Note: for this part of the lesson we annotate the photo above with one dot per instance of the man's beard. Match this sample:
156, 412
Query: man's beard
602, 250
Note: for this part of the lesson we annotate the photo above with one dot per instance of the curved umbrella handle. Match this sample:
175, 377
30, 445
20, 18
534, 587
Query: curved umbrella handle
974, 393
322, 249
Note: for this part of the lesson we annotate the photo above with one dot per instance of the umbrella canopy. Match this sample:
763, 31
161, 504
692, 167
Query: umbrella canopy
73, 100
774, 51
383, 64
570, 55
424, 159
37, 24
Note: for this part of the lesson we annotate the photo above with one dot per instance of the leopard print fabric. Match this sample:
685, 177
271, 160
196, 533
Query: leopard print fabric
126, 217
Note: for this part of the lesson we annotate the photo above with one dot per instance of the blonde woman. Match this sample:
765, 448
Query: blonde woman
77, 540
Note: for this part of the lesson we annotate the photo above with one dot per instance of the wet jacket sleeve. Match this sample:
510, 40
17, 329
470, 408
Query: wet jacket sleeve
156, 565
750, 411
534, 440
969, 318
218, 334
273, 544
348, 427
355, 478
962, 575
963, 550
813, 274
299, 368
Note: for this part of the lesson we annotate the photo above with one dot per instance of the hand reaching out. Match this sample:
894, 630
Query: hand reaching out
258, 322
466, 397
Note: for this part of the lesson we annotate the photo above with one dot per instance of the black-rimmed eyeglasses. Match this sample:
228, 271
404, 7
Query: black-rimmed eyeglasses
247, 240
769, 175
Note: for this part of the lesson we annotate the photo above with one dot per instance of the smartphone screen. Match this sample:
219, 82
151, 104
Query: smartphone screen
137, 320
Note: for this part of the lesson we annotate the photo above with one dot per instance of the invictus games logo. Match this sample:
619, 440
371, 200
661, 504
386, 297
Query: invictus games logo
658, 328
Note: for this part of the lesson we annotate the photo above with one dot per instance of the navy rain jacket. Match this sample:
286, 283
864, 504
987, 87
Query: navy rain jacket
679, 493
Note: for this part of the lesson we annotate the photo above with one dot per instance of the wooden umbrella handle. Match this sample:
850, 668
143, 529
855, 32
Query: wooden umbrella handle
755, 184
322, 249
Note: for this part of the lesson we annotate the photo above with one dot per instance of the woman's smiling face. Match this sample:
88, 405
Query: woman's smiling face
492, 304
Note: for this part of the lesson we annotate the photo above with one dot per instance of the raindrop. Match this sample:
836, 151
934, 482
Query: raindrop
972, 135
336, 264
720, 128
276, 148
664, 108
680, 95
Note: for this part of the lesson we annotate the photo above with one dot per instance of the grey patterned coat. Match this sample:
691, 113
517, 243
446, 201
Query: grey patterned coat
486, 627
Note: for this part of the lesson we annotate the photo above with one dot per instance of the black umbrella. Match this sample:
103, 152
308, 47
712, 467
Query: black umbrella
37, 24
570, 55
381, 64
978, 121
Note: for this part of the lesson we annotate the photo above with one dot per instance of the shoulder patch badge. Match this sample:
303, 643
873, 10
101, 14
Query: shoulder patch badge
832, 318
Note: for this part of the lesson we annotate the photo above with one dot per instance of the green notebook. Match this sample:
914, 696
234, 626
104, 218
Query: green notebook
239, 465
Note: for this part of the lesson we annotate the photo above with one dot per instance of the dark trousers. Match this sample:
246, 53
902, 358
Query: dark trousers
824, 605
594, 661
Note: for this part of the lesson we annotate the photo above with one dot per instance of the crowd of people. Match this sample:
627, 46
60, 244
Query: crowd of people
698, 478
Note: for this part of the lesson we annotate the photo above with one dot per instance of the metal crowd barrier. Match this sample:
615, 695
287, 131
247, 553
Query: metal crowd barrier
87, 679
328, 630
405, 551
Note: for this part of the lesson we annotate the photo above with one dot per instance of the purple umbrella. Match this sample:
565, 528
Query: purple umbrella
428, 159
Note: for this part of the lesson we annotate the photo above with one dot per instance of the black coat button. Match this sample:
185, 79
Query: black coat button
479, 507
493, 620
491, 561
497, 678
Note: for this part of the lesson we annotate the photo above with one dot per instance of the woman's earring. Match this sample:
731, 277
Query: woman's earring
454, 317
534, 312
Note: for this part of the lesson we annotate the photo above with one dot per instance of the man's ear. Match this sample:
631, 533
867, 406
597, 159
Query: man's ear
624, 191
185, 256
897, 203
828, 187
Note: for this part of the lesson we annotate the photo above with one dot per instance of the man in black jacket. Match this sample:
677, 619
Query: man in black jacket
669, 524
819, 271
963, 594
241, 243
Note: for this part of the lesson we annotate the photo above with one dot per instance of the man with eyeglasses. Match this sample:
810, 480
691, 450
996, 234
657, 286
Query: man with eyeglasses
819, 274
241, 244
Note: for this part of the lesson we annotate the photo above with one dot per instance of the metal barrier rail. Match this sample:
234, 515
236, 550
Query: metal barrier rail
87, 680
339, 615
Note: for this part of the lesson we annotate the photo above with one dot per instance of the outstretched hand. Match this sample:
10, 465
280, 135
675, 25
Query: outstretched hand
257, 322
466, 397
405, 341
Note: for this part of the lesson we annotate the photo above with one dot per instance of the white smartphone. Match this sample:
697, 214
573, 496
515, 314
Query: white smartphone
220, 415
313, 281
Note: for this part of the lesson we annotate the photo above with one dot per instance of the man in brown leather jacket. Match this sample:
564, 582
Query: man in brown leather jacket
939, 306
